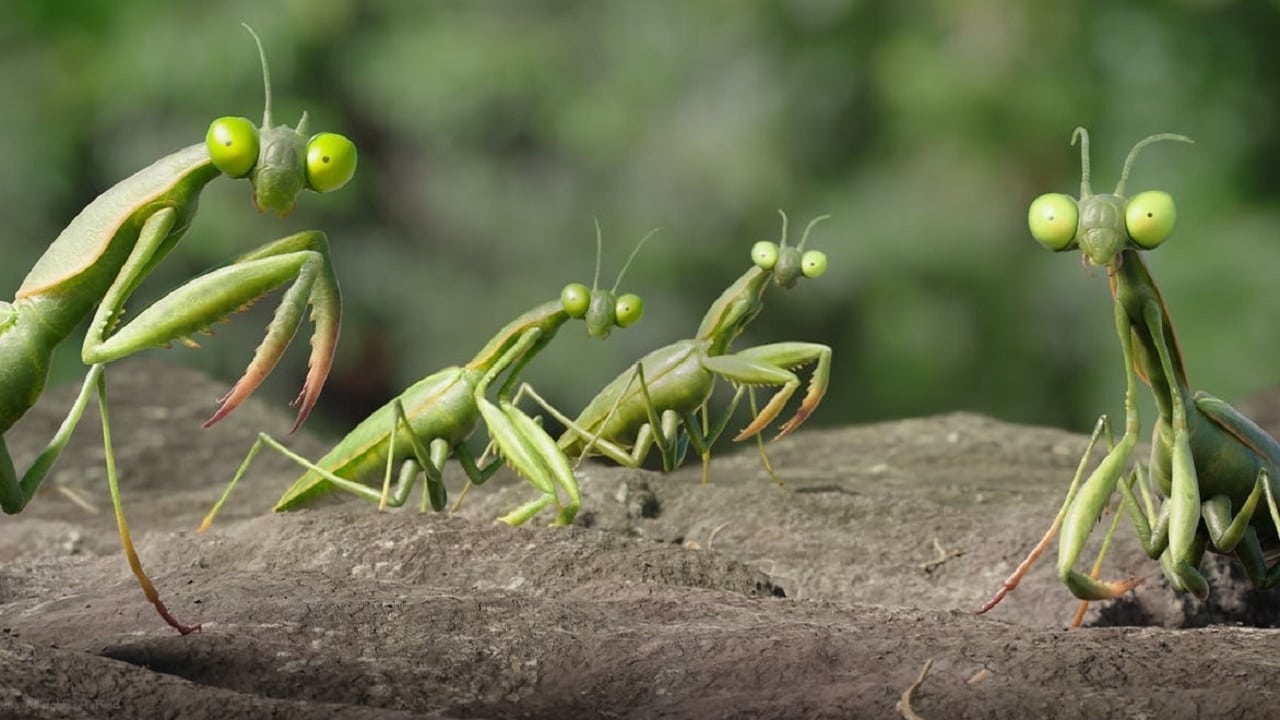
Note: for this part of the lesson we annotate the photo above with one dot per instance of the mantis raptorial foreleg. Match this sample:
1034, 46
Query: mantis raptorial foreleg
1083, 510
302, 259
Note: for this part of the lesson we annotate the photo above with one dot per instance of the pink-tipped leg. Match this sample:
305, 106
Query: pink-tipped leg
767, 413
315, 285
1011, 582
785, 357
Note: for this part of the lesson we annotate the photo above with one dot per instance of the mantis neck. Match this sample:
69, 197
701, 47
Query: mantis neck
1134, 289
736, 307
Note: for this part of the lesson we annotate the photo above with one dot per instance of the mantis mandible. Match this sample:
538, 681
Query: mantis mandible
1211, 464
433, 418
120, 237
656, 402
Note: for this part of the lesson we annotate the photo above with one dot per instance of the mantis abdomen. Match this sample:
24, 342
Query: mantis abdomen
440, 406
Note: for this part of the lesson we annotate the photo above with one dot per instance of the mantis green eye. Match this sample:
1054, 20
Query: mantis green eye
628, 309
575, 299
232, 143
1149, 217
1053, 219
331, 161
764, 254
813, 263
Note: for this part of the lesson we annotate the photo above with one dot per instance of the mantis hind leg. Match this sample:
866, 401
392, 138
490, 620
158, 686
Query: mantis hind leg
1250, 551
126, 541
16, 492
430, 462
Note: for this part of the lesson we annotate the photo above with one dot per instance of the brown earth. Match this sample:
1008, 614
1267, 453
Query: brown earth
735, 599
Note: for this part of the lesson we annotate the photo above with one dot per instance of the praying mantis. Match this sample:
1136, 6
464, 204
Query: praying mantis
1212, 464
432, 419
122, 235
656, 402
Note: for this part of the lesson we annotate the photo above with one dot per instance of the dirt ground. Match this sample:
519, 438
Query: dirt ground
823, 598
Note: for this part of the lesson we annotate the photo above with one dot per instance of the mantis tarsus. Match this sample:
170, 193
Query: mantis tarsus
1211, 464
658, 400
120, 237
433, 418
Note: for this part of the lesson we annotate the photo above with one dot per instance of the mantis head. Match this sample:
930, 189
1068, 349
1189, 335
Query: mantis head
280, 161
1103, 225
603, 310
789, 264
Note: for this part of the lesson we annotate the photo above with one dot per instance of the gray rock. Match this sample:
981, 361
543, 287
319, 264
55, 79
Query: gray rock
819, 598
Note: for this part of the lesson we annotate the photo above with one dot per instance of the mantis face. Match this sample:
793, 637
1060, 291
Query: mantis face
602, 310
280, 162
1103, 225
788, 264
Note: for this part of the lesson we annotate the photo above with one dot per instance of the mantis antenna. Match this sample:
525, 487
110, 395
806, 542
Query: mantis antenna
266, 76
1133, 155
266, 85
631, 257
804, 238
1083, 136
595, 281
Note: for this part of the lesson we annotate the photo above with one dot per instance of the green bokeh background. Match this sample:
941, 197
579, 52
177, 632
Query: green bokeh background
491, 133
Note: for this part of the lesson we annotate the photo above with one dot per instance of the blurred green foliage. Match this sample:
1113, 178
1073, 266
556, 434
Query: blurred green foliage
492, 132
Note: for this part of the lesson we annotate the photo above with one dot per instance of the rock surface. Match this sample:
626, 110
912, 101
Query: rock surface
822, 598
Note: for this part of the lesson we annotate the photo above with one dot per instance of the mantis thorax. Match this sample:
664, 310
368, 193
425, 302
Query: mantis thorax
736, 307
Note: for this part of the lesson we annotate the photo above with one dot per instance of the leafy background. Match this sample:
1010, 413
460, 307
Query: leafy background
491, 133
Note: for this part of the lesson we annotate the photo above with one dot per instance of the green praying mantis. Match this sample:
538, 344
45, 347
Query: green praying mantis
1212, 465
122, 235
657, 401
432, 419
